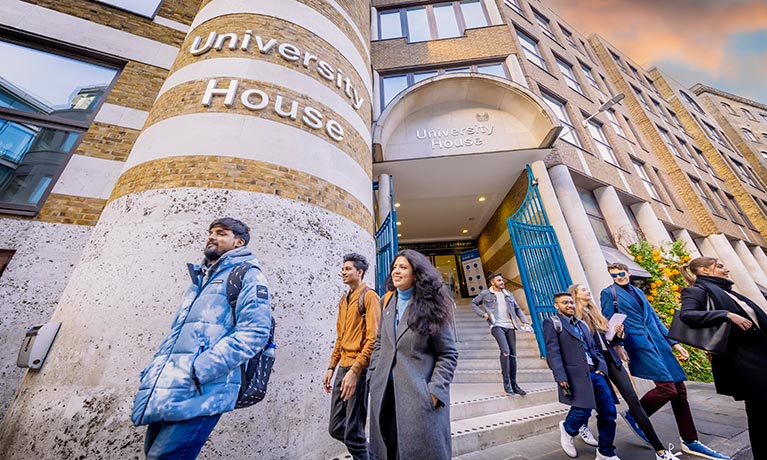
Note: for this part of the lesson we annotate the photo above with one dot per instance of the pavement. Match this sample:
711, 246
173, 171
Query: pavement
721, 424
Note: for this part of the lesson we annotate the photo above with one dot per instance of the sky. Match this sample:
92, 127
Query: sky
720, 43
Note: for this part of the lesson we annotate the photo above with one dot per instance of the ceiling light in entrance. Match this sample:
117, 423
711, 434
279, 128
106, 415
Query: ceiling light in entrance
396, 205
482, 199
399, 235
399, 223
465, 231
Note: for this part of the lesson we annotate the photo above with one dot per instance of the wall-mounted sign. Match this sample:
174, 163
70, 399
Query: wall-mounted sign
472, 270
467, 136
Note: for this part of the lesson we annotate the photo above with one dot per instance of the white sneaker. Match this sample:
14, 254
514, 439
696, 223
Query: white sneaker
568, 445
585, 433
605, 457
668, 454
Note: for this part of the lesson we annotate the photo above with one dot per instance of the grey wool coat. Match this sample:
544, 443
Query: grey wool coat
567, 359
420, 366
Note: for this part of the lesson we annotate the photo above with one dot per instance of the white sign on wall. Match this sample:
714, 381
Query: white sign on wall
473, 272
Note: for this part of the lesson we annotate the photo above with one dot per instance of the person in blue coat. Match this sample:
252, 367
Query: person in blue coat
651, 357
580, 370
195, 375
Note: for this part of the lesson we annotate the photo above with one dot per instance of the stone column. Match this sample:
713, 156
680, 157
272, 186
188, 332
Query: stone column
748, 259
615, 216
653, 229
586, 244
744, 283
684, 235
760, 257
264, 116
384, 197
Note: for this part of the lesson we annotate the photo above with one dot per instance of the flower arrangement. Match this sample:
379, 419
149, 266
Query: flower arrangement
664, 290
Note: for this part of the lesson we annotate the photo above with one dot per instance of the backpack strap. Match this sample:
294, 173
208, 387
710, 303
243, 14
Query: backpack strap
363, 313
234, 285
615, 298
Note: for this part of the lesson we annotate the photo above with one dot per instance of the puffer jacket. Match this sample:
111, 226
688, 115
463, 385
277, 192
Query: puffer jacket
196, 370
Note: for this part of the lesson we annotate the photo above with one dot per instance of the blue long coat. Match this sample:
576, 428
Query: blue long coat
205, 342
567, 359
649, 350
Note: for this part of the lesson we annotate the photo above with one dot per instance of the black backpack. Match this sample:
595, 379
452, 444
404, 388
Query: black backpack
257, 370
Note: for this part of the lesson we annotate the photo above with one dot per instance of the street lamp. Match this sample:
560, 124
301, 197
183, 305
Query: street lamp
614, 100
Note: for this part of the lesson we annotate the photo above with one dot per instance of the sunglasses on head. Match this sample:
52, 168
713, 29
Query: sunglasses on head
615, 275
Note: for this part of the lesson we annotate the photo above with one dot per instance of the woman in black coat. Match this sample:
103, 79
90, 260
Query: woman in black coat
741, 372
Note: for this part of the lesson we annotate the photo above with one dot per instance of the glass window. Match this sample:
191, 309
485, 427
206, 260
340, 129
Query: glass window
568, 131
648, 184
659, 108
601, 143
636, 73
714, 133
729, 108
689, 151
473, 14
420, 76
146, 8
590, 76
641, 98
723, 204
446, 21
499, 70
692, 102
743, 173
743, 217
458, 69
389, 25
764, 135
652, 85
568, 36
748, 114
704, 160
514, 5
418, 25
703, 196
617, 60
596, 219
544, 24
764, 116
669, 143
567, 72
749, 135
393, 85
666, 188
45, 106
531, 50
614, 122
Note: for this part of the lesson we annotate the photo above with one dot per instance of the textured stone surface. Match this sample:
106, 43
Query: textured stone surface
31, 285
83, 395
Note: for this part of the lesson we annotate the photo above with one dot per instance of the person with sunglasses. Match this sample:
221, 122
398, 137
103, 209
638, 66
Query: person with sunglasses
651, 357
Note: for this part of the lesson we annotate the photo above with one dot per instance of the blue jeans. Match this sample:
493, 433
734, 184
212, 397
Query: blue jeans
180, 440
606, 413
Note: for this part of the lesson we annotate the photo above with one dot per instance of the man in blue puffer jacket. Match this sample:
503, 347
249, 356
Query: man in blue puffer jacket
195, 375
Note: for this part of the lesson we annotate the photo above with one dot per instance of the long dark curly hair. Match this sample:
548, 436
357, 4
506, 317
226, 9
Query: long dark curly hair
431, 307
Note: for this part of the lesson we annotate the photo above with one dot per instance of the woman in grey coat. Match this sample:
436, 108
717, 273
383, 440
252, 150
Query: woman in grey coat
413, 362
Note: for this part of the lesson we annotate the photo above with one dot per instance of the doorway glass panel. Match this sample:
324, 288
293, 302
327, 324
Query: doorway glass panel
449, 269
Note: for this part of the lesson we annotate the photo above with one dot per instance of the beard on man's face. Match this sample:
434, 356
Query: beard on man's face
211, 252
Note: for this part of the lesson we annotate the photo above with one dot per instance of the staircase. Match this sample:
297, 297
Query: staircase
482, 414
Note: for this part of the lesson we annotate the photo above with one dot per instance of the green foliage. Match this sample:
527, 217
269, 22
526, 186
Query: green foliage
663, 289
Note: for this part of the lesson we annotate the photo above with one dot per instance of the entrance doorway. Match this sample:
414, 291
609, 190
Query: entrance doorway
446, 256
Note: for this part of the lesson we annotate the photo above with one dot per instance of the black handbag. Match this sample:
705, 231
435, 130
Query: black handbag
712, 339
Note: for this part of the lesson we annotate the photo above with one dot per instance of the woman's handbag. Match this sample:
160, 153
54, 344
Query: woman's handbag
712, 339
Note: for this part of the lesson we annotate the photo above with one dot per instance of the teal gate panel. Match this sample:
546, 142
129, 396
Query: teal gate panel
541, 264
387, 244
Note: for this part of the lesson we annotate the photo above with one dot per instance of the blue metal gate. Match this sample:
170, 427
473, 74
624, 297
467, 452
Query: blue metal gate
386, 241
539, 257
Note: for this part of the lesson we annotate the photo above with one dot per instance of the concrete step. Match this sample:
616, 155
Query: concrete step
471, 400
490, 353
491, 344
494, 376
527, 362
479, 433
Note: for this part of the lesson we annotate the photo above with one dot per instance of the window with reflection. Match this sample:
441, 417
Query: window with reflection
146, 8
432, 22
393, 84
600, 141
568, 130
595, 217
531, 50
566, 69
45, 106
649, 185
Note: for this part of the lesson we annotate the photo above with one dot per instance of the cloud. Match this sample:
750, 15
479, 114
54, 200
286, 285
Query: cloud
705, 36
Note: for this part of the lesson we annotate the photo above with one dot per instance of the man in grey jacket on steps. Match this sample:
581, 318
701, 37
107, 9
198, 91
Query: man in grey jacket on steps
498, 307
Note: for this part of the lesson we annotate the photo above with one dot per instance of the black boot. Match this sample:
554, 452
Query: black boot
513, 376
507, 386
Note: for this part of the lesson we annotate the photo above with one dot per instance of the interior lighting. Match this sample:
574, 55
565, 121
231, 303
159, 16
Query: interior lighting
399, 223
465, 231
482, 199
396, 205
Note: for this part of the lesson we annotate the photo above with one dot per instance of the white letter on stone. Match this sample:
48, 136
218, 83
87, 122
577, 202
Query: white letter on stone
335, 130
312, 117
292, 114
211, 91
289, 52
232, 41
265, 48
195, 50
326, 70
246, 40
245, 98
